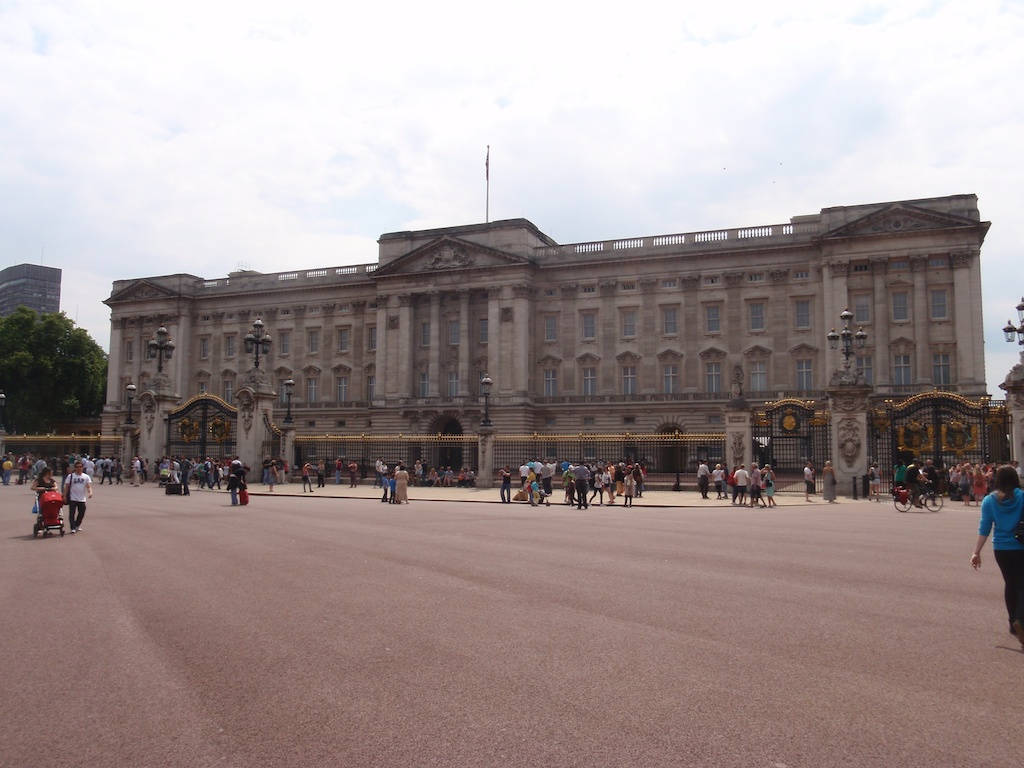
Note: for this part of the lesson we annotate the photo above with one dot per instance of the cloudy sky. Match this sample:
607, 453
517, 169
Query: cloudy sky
143, 138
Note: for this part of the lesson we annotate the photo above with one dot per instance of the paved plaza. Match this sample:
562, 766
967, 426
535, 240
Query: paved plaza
333, 631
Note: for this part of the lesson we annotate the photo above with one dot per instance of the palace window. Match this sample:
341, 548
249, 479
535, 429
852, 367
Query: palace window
311, 387
229, 346
204, 347
129, 350
940, 370
312, 341
804, 375
454, 331
900, 309
713, 377
669, 283
282, 397
371, 387
670, 378
628, 380
590, 381
712, 318
483, 330
371, 338
424, 384
865, 367
229, 391
344, 339
940, 309
550, 382
589, 321
756, 311
901, 370
862, 309
669, 320
453, 383
284, 342
755, 277
341, 388
629, 323
550, 328
803, 313
758, 376
425, 333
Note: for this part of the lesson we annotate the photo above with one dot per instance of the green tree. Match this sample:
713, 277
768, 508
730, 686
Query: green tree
49, 369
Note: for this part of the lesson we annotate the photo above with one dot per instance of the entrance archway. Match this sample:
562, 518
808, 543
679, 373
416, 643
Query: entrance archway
447, 455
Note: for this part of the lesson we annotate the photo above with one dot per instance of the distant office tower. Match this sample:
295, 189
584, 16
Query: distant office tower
34, 286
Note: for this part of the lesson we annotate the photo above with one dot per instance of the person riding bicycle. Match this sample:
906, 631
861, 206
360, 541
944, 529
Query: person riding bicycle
913, 481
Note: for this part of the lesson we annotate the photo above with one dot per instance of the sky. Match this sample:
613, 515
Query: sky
144, 139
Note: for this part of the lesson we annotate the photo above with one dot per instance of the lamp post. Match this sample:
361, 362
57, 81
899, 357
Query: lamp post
3, 410
161, 348
289, 385
485, 389
257, 340
847, 337
1016, 332
130, 390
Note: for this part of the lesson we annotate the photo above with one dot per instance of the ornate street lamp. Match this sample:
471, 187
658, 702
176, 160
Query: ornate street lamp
130, 390
257, 340
289, 385
1016, 333
847, 337
161, 347
485, 389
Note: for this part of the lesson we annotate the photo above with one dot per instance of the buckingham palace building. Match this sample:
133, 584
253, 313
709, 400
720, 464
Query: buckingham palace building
641, 333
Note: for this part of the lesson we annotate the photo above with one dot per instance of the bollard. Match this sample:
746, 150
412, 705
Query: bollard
865, 487
854, 479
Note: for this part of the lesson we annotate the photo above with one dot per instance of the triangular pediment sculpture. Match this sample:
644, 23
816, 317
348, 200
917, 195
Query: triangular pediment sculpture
139, 290
449, 254
900, 217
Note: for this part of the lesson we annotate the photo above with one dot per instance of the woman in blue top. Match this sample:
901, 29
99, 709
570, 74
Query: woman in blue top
1002, 509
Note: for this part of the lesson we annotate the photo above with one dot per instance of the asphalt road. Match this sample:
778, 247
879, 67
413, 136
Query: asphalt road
344, 632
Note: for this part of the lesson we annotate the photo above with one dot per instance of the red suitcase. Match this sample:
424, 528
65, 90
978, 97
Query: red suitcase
243, 497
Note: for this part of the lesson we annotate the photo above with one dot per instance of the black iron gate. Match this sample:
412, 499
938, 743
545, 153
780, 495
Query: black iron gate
945, 427
271, 448
204, 425
786, 435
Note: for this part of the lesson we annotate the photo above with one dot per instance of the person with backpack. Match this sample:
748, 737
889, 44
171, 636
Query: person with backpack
1000, 516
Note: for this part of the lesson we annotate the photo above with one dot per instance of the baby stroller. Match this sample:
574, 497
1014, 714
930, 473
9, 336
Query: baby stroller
49, 517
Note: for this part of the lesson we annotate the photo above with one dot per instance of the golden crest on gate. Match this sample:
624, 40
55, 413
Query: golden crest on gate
188, 429
915, 436
220, 429
959, 437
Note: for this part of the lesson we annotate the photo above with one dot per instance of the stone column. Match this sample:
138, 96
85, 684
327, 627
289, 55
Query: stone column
255, 407
738, 434
485, 445
114, 391
464, 388
836, 300
521, 343
493, 331
848, 403
182, 352
406, 370
381, 357
921, 321
288, 445
880, 324
154, 406
1013, 385
435, 345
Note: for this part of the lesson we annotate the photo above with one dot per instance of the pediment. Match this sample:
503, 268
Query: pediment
283, 371
711, 353
139, 290
549, 360
669, 354
341, 368
448, 254
897, 218
202, 373
901, 341
587, 357
756, 351
627, 357
803, 349
311, 370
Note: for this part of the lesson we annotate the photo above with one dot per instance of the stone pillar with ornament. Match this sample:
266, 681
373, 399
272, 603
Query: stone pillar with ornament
154, 406
848, 404
255, 400
1013, 385
738, 433
485, 453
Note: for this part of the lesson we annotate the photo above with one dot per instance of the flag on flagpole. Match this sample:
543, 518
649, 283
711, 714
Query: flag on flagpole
487, 164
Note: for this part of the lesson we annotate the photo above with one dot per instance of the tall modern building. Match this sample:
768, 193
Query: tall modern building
639, 333
31, 285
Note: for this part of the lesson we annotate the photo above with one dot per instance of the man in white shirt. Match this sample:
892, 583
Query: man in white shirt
524, 472
741, 477
77, 488
808, 481
703, 479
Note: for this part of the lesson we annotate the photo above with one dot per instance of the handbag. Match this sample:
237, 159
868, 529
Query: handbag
35, 507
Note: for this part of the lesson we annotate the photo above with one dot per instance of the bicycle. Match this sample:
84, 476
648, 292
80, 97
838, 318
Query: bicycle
929, 499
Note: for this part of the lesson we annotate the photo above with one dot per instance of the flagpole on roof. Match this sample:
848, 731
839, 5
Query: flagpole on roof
487, 178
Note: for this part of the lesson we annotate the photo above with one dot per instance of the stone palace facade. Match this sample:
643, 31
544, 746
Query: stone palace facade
637, 334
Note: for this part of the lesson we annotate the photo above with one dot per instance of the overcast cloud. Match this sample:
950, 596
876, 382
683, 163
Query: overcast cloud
141, 138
